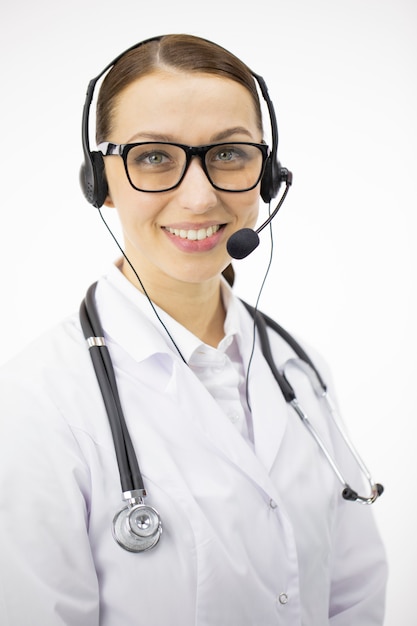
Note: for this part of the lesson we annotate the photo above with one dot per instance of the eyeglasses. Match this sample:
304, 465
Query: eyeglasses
161, 166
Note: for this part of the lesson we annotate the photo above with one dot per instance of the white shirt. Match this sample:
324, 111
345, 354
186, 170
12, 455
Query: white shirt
221, 369
255, 532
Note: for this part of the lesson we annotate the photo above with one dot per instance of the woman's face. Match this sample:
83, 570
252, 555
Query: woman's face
191, 109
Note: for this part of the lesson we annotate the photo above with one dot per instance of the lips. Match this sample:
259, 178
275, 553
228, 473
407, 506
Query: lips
194, 234
195, 240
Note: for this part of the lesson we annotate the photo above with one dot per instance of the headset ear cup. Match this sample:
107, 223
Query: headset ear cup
93, 179
271, 180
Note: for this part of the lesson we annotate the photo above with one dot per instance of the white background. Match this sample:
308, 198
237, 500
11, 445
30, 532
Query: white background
343, 76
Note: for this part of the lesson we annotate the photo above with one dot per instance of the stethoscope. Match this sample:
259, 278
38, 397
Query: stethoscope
137, 526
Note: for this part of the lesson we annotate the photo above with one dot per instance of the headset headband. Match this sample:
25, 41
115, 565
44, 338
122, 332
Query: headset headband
92, 174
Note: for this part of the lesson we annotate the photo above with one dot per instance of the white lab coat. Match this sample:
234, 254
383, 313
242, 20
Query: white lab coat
252, 536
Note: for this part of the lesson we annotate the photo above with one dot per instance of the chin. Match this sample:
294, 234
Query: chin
195, 274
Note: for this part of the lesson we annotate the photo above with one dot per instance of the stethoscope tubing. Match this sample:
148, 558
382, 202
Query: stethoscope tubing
320, 388
130, 475
262, 321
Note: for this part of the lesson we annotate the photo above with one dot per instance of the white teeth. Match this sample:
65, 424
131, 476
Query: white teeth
193, 235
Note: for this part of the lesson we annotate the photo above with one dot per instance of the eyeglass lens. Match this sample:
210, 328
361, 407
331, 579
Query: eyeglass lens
160, 166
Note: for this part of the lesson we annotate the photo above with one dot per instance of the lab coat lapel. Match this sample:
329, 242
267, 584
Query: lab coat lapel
269, 411
196, 402
268, 406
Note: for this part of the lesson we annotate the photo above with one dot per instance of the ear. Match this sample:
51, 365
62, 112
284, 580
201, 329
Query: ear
109, 202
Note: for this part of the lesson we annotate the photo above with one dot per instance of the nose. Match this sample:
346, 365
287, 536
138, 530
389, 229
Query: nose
196, 192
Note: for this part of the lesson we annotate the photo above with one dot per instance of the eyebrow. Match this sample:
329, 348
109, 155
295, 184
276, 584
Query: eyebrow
221, 136
229, 132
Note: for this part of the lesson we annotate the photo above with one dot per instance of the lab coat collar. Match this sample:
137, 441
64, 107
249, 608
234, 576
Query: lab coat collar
141, 337
118, 299
123, 313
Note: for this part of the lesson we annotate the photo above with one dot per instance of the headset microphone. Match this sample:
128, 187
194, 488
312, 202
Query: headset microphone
245, 240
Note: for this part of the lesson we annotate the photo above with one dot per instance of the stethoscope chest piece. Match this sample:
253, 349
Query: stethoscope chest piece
137, 528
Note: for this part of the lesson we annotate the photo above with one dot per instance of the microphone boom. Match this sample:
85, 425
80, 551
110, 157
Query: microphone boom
244, 241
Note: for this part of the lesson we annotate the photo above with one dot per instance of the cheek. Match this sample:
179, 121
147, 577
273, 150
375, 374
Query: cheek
136, 215
247, 208
121, 192
132, 206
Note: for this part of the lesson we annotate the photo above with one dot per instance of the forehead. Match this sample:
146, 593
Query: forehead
177, 103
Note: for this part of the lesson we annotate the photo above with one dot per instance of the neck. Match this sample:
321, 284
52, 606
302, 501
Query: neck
196, 306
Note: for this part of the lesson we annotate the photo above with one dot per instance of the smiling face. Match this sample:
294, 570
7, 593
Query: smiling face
180, 236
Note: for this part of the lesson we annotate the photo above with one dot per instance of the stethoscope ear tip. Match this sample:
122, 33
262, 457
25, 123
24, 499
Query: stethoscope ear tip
380, 489
349, 494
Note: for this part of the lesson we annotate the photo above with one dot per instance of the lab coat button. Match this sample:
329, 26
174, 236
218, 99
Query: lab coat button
273, 504
283, 598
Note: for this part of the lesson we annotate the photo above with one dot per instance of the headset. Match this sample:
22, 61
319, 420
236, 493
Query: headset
92, 173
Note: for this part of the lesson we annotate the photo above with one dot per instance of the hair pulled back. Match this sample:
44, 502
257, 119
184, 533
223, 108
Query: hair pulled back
186, 53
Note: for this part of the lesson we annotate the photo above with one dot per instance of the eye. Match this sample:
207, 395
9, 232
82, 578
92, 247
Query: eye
230, 156
153, 156
150, 158
226, 154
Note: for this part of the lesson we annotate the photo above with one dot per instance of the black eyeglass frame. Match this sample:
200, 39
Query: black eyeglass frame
107, 148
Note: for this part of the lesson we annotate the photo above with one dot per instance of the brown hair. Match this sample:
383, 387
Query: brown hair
186, 53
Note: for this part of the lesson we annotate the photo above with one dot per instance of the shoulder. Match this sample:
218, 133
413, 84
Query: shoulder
52, 352
50, 380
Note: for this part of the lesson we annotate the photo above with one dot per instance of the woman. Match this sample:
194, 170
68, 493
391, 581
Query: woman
254, 529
